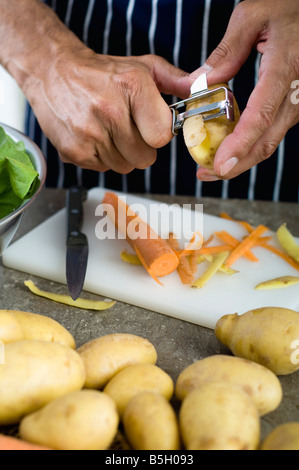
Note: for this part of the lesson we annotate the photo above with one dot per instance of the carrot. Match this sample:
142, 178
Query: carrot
155, 254
245, 224
245, 245
282, 255
12, 443
184, 269
233, 242
212, 250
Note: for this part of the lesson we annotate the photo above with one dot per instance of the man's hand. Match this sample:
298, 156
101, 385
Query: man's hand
272, 26
100, 112
104, 112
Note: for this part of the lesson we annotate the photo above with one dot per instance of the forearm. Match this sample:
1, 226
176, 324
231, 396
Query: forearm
31, 37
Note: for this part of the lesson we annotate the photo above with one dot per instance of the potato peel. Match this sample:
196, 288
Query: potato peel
130, 258
288, 242
278, 283
67, 300
212, 270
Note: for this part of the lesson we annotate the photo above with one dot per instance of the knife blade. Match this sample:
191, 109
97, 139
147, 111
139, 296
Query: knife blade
76, 243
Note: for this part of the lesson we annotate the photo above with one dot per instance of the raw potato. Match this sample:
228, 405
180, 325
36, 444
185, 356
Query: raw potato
137, 378
34, 373
81, 420
107, 355
284, 437
150, 423
204, 138
257, 381
268, 336
17, 325
219, 416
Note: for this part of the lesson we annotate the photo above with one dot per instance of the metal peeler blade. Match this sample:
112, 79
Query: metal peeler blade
224, 107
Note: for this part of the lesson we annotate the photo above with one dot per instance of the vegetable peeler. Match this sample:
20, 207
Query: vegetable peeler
199, 90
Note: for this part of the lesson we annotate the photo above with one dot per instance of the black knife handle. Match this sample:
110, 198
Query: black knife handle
75, 197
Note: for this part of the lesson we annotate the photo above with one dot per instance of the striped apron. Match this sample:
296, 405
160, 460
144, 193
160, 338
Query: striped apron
169, 28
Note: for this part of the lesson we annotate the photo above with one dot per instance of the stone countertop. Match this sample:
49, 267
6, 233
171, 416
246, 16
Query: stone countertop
178, 343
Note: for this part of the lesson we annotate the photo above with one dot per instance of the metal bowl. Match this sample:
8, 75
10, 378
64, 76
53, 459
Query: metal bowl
10, 223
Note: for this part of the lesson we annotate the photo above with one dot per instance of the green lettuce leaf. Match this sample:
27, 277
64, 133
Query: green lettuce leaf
18, 178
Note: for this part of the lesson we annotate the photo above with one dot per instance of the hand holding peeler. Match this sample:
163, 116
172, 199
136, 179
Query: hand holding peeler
199, 90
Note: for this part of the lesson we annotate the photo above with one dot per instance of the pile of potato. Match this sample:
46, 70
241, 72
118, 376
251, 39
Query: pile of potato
69, 398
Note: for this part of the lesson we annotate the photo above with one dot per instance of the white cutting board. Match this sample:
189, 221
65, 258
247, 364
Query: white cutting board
41, 252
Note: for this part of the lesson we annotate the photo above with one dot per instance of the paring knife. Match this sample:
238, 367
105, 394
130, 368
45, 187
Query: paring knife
76, 243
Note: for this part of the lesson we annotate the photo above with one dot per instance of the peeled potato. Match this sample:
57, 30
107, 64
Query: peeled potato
204, 138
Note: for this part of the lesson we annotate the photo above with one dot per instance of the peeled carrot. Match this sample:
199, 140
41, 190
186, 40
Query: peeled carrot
12, 443
245, 245
158, 258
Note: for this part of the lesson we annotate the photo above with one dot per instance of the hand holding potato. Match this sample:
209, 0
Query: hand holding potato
203, 138
270, 112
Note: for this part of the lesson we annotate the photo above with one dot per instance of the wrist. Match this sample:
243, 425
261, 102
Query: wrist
32, 40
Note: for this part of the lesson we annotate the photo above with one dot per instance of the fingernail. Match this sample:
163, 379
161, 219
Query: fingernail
205, 68
209, 178
228, 166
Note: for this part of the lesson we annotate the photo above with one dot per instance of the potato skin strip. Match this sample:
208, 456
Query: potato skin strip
279, 283
214, 267
85, 304
288, 243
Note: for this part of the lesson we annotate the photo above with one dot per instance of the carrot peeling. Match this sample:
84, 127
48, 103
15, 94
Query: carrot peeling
156, 255
243, 247
281, 254
185, 266
233, 243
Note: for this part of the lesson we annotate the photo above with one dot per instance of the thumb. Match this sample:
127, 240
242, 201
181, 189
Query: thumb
168, 78
244, 31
